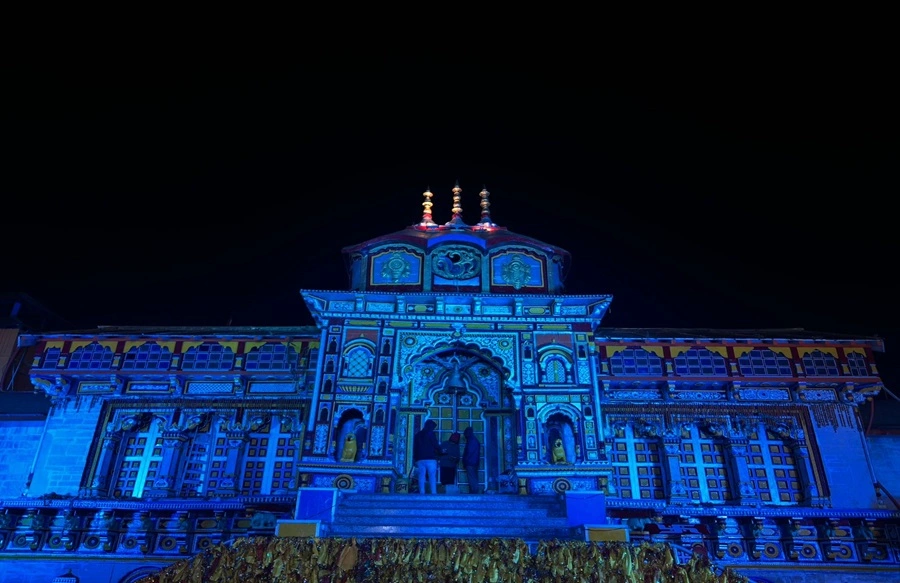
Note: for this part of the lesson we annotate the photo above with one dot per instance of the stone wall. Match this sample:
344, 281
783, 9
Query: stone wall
844, 456
70, 433
885, 453
19, 442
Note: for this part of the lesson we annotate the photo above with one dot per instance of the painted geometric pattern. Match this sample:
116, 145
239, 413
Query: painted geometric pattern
773, 471
268, 461
149, 356
700, 361
143, 450
91, 357
208, 357
703, 468
637, 467
635, 361
413, 343
272, 357
764, 362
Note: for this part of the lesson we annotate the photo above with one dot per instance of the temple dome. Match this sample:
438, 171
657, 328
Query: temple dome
457, 257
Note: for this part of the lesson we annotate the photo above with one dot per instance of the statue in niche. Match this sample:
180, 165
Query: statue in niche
558, 452
348, 454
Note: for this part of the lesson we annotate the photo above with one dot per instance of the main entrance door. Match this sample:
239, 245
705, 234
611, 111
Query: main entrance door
461, 388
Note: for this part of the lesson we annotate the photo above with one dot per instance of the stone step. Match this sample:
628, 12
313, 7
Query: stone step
457, 500
418, 511
529, 518
480, 520
460, 531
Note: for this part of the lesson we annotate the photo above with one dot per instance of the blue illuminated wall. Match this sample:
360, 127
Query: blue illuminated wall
19, 442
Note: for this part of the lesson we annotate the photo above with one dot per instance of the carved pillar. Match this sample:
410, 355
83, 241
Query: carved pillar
671, 442
737, 448
297, 439
100, 484
795, 440
229, 485
807, 477
166, 483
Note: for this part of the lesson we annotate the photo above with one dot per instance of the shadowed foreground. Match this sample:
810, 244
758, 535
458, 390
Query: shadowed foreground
296, 560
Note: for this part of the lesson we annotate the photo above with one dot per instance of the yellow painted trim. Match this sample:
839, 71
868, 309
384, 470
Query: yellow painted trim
133, 343
233, 345
297, 346
402, 324
478, 326
657, 350
562, 327
613, 350
804, 350
782, 350
740, 351
514, 327
248, 346
187, 345
168, 344
854, 349
720, 350
679, 350
362, 322
76, 344
438, 325
54, 344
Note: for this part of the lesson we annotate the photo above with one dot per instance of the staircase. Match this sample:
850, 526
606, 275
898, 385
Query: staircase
531, 518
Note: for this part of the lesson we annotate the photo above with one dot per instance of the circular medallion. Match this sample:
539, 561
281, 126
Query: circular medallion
808, 551
561, 485
735, 550
344, 482
771, 551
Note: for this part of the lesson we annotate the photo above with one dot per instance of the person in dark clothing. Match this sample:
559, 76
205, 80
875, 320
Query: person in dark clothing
426, 450
449, 462
470, 458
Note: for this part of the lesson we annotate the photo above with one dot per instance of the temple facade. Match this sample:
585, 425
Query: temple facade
745, 445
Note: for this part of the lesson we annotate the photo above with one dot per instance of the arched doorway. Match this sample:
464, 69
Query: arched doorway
461, 387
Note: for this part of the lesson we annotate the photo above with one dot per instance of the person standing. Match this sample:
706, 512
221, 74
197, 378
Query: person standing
449, 462
470, 458
426, 450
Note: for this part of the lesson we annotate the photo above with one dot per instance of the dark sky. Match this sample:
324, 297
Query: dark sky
760, 194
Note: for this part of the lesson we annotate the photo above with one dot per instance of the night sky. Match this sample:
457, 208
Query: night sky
751, 196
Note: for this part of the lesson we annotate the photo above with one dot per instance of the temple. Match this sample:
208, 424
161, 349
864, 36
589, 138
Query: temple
745, 446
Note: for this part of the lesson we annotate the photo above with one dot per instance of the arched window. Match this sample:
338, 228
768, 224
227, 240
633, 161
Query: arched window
700, 362
764, 362
635, 361
208, 357
820, 364
91, 357
272, 357
554, 369
150, 356
51, 358
857, 364
358, 362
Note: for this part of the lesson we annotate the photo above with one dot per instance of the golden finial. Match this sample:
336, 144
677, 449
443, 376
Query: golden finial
457, 207
485, 212
426, 215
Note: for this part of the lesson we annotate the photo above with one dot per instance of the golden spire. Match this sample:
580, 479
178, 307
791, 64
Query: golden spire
457, 219
426, 214
485, 212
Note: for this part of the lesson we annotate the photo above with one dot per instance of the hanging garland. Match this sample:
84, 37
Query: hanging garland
387, 560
